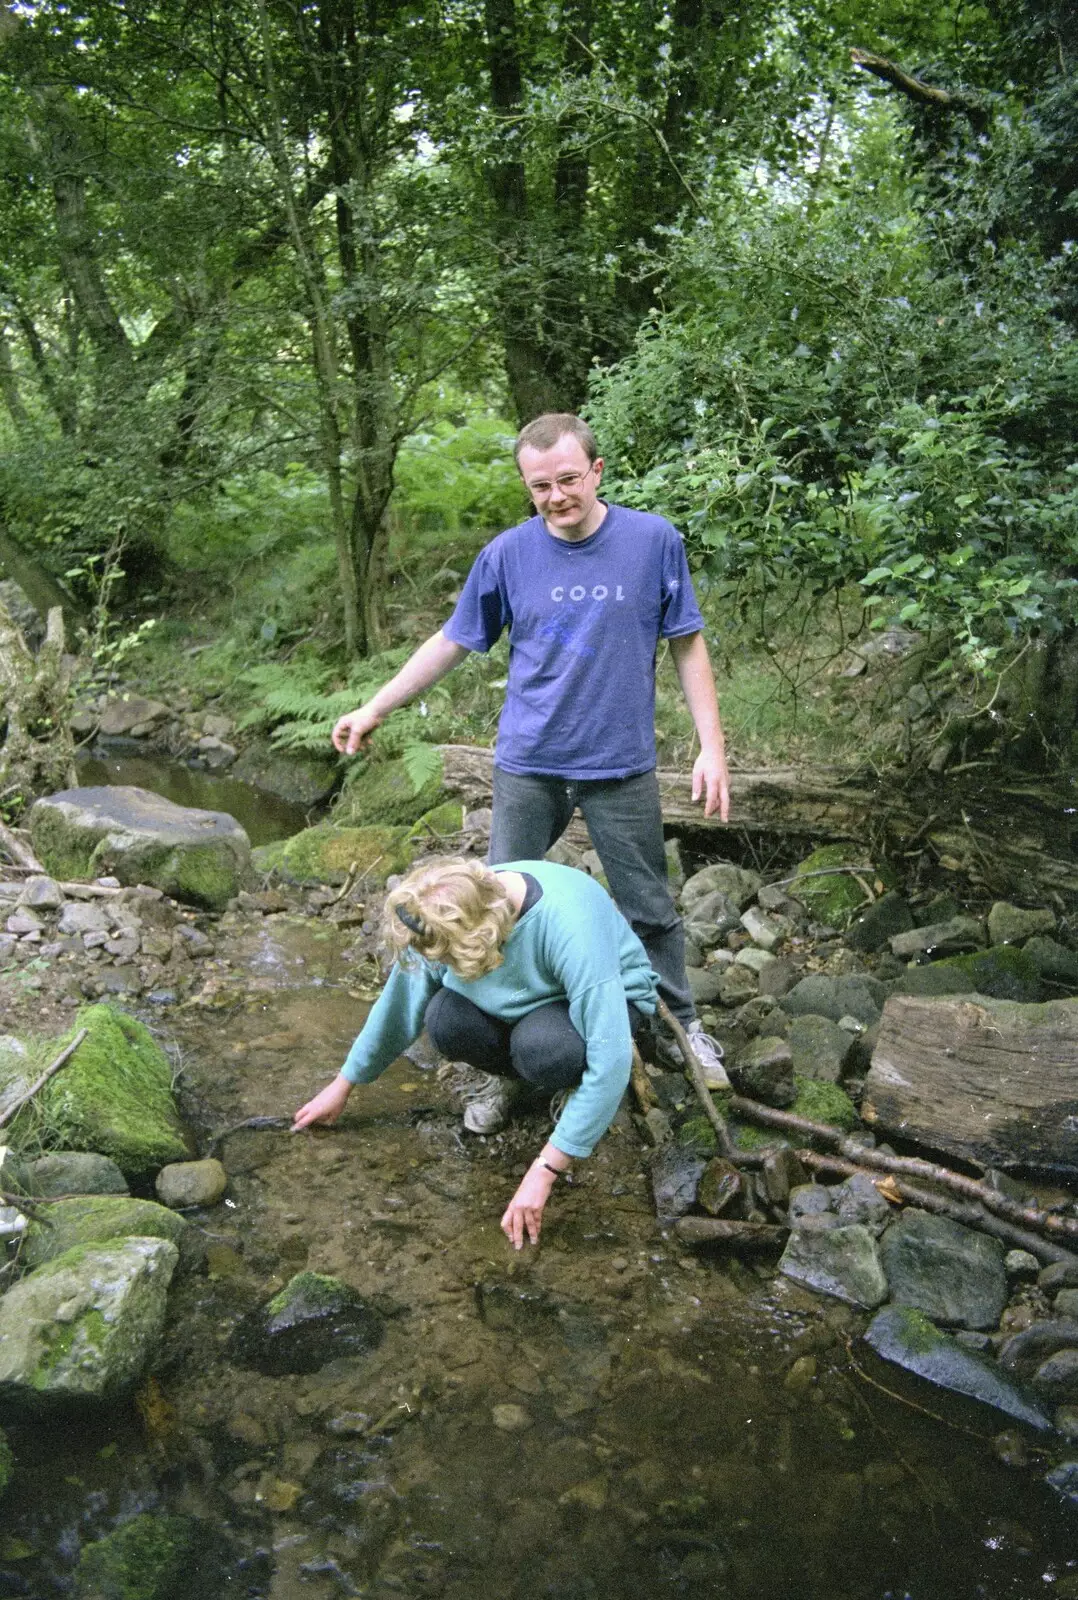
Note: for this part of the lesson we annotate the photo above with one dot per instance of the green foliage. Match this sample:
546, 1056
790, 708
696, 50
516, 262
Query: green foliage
454, 478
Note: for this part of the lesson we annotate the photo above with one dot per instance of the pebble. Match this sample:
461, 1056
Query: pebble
511, 1418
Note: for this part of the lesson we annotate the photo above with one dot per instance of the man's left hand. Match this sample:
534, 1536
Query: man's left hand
711, 779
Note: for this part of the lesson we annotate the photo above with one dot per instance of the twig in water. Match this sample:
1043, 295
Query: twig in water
61, 1060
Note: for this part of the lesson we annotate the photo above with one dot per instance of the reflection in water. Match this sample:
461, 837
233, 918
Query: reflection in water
263, 817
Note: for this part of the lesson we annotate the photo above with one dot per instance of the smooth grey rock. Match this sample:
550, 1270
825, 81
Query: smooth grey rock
1065, 1304
738, 985
842, 1262
82, 1327
782, 1172
779, 977
951, 1273
762, 1014
1064, 1480
765, 1071
1009, 924
199, 856
42, 894
880, 922
119, 716
849, 995
739, 883
1024, 1352
717, 910
1058, 1275
906, 1337
858, 1200
819, 1047
76, 1172
191, 1183
81, 917
1021, 1265
942, 938
757, 960
1056, 1379
675, 1177
1053, 961
705, 983
766, 928
23, 921
809, 1200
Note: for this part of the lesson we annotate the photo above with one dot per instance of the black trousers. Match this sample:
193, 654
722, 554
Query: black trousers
543, 1048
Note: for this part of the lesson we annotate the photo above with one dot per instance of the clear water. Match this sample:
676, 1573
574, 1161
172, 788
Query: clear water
658, 1447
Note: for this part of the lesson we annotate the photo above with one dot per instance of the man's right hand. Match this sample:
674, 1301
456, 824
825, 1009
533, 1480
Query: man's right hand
352, 731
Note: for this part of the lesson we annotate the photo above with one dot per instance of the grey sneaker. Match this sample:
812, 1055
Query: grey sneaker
483, 1097
557, 1104
708, 1051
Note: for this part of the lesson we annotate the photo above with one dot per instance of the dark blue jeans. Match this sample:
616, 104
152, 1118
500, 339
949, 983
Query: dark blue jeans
624, 820
543, 1048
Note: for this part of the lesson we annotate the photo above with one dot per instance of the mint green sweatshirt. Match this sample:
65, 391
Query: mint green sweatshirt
574, 944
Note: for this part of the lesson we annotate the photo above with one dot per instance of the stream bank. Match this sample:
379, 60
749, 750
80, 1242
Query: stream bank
613, 1414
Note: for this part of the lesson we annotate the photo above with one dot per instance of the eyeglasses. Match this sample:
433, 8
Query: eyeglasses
566, 482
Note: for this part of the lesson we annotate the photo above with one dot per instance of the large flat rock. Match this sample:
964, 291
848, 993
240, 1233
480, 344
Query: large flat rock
991, 1082
199, 856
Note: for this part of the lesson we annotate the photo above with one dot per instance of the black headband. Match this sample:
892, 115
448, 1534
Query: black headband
412, 923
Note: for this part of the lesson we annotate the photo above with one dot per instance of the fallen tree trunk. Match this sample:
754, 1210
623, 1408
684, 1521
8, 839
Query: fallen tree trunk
989, 1082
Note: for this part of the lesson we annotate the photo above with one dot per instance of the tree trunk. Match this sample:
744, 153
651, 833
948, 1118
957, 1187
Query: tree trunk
37, 755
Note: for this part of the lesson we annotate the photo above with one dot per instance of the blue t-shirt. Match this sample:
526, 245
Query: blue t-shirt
584, 620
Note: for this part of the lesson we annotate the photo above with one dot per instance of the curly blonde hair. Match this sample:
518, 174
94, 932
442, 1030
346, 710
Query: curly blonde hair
462, 910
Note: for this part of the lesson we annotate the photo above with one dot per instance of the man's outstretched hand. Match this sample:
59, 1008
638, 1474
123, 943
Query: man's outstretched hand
711, 779
352, 731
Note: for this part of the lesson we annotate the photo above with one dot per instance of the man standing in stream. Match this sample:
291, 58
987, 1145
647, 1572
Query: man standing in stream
587, 591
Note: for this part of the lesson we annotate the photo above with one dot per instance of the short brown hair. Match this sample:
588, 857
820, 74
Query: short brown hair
463, 910
545, 431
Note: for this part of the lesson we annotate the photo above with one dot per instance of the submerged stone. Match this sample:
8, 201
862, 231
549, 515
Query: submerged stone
839, 1261
313, 1320
676, 1171
381, 793
152, 1557
906, 1337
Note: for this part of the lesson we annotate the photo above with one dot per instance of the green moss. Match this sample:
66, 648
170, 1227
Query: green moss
834, 899
90, 1329
919, 1335
326, 854
1004, 973
145, 1559
444, 820
316, 1290
114, 1096
382, 793
7, 1461
55, 848
698, 1135
89, 1219
207, 876
824, 1102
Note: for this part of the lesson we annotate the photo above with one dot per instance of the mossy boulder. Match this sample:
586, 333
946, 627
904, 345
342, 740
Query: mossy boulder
294, 775
199, 856
327, 854
312, 1320
442, 822
86, 1219
383, 794
82, 1327
824, 1102
7, 1461
1004, 973
835, 897
149, 1558
114, 1096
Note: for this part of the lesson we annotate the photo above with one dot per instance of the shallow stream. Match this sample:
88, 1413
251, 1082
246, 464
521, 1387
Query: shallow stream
604, 1417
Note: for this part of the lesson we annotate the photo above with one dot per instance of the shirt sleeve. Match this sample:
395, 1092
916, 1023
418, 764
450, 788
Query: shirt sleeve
483, 609
680, 613
396, 1020
601, 1016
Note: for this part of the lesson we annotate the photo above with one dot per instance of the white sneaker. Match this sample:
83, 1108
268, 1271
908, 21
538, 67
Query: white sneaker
484, 1097
708, 1051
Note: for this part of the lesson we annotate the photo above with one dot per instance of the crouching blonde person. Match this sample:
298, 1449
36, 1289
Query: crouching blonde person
525, 971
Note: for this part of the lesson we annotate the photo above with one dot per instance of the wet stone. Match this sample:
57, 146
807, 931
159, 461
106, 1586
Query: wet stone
1056, 1380
1026, 1351
511, 1418
719, 1186
942, 938
675, 1178
809, 1200
839, 1261
905, 1336
191, 1183
819, 1048
1009, 924
782, 1172
1021, 1265
880, 922
765, 1071
315, 1319
43, 893
951, 1273
76, 1172
859, 1200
